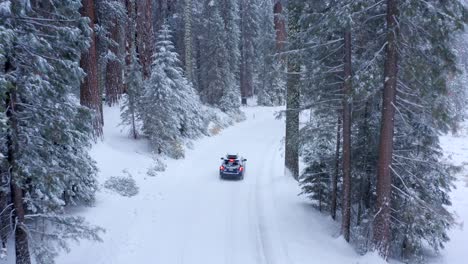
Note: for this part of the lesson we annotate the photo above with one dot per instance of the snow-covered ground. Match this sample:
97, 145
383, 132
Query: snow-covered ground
456, 150
188, 215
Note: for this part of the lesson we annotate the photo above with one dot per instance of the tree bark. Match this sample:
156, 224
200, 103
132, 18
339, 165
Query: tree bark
292, 120
334, 193
280, 26
130, 36
21, 236
292, 96
114, 69
382, 235
247, 48
347, 86
188, 40
4, 188
144, 35
90, 95
4, 223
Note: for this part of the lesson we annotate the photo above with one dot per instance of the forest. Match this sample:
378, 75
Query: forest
379, 81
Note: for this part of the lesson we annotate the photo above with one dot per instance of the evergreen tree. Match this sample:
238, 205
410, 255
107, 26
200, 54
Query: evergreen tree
47, 133
271, 86
217, 82
421, 181
415, 219
130, 114
170, 108
249, 46
230, 13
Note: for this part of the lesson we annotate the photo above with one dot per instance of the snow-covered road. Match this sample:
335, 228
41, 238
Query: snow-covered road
188, 215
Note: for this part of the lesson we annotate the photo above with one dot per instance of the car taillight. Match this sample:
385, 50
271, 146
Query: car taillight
241, 168
221, 168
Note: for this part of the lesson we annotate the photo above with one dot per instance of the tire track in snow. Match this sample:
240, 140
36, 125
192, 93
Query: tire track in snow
284, 249
272, 245
272, 252
255, 213
229, 236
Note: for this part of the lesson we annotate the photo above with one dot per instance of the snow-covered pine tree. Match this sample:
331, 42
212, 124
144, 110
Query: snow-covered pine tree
420, 185
319, 134
230, 13
217, 82
323, 92
48, 132
130, 114
249, 64
271, 84
423, 109
170, 108
319, 156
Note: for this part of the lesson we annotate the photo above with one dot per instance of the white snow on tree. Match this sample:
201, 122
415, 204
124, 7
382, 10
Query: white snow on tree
170, 108
273, 90
130, 114
218, 82
48, 133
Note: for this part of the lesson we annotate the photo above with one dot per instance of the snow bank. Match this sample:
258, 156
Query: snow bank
456, 150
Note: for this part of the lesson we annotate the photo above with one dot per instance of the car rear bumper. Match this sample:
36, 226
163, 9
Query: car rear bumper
231, 175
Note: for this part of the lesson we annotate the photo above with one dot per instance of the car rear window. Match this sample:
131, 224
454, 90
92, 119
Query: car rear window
231, 163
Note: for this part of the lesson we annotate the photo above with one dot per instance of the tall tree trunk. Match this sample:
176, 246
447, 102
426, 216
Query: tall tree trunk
114, 69
384, 177
130, 36
280, 26
365, 181
246, 76
144, 35
4, 212
366, 194
90, 95
292, 120
4, 191
292, 116
246, 65
134, 129
292, 96
347, 86
188, 40
243, 69
21, 236
334, 193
